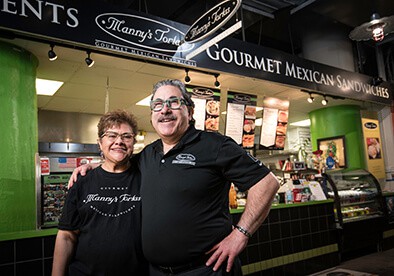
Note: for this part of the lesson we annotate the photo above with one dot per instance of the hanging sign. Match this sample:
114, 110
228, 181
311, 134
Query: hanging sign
207, 107
241, 117
373, 147
212, 20
274, 126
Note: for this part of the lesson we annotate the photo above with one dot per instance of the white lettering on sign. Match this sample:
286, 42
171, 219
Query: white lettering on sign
291, 70
143, 32
38, 8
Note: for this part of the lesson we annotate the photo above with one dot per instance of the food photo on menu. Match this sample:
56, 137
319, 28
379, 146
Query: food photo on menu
249, 126
212, 118
281, 129
250, 112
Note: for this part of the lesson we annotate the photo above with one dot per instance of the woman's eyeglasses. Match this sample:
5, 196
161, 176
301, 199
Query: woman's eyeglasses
113, 136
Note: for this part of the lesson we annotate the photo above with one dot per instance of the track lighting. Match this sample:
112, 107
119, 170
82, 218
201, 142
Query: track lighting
324, 101
217, 83
89, 61
187, 78
310, 99
51, 54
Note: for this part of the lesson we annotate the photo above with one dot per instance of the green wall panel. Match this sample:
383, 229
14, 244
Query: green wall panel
18, 139
338, 121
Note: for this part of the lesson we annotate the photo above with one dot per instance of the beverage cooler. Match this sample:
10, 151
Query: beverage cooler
55, 165
358, 209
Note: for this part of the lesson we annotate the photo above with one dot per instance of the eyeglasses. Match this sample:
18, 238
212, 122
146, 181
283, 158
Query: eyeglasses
173, 103
113, 136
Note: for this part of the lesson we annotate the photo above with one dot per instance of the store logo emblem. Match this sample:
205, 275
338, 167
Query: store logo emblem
242, 98
185, 158
370, 125
143, 32
203, 93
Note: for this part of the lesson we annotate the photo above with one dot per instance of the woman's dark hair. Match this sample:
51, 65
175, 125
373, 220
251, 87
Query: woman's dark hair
116, 118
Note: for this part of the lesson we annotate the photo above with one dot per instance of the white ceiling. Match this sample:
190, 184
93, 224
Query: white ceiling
84, 88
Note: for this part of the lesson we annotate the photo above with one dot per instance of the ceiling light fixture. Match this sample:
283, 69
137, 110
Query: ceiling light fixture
310, 99
187, 78
217, 83
88, 60
324, 101
51, 53
47, 87
375, 29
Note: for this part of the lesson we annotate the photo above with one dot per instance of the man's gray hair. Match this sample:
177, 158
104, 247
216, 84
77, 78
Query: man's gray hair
181, 86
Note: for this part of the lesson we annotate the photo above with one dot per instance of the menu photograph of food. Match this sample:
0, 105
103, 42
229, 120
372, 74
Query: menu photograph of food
207, 107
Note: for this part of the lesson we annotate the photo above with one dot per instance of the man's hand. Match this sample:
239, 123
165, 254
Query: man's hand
82, 171
227, 250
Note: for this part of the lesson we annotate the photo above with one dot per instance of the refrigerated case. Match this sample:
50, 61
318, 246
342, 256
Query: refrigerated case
358, 209
56, 163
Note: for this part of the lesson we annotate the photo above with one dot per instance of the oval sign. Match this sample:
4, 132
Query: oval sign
241, 98
201, 92
370, 125
212, 20
143, 32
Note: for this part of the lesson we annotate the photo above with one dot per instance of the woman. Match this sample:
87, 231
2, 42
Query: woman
99, 231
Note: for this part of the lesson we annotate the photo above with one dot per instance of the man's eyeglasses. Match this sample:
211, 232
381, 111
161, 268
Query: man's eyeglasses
173, 103
113, 136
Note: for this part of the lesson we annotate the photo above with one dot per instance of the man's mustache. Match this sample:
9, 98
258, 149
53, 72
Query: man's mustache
168, 117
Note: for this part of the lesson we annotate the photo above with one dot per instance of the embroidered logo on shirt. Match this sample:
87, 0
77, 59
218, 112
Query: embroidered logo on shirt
185, 158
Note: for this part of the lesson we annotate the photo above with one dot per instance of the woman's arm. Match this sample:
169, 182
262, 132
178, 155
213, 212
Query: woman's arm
64, 250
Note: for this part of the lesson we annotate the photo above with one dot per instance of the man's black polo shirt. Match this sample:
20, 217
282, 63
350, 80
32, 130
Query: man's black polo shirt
185, 194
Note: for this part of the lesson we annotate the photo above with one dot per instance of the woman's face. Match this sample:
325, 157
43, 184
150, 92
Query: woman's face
117, 149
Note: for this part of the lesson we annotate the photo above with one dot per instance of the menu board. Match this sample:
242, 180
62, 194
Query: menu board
274, 124
207, 107
241, 117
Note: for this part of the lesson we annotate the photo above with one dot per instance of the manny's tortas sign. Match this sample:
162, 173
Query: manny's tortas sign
103, 27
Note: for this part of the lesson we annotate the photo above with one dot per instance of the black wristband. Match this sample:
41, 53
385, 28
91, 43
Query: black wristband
243, 231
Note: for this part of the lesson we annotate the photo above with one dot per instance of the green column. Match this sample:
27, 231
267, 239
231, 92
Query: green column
18, 139
337, 121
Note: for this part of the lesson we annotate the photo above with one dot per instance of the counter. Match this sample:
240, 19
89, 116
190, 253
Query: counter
388, 229
295, 239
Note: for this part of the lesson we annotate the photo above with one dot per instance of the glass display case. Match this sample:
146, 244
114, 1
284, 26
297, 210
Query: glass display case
357, 195
358, 209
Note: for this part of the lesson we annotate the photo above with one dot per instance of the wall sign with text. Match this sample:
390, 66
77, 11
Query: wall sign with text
241, 117
274, 126
207, 107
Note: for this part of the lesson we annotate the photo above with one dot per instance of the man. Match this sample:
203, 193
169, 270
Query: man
186, 177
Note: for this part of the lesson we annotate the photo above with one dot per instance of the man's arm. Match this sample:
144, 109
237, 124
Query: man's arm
82, 171
257, 207
64, 249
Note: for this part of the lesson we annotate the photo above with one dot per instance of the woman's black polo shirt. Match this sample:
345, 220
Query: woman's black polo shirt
185, 194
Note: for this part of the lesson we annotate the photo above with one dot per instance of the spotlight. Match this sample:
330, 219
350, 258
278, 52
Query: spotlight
89, 61
324, 101
310, 99
51, 54
217, 83
187, 78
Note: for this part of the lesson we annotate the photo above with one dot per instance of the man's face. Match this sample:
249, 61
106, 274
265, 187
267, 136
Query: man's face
168, 123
